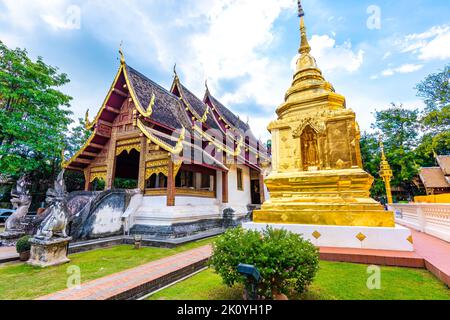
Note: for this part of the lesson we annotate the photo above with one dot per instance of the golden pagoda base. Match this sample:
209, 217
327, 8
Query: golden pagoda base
393, 239
327, 197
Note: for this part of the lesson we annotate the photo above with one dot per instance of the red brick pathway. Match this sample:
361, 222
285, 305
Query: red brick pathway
113, 285
376, 257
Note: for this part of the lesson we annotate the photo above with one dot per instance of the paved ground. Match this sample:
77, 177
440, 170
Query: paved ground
430, 252
436, 253
110, 286
8, 254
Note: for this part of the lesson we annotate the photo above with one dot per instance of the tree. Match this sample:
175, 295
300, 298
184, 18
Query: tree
400, 128
33, 116
435, 90
370, 153
75, 139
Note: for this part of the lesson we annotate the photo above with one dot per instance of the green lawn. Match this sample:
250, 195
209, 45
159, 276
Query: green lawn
335, 281
20, 281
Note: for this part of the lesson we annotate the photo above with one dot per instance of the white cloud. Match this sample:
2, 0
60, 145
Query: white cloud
433, 44
218, 40
28, 15
333, 57
405, 68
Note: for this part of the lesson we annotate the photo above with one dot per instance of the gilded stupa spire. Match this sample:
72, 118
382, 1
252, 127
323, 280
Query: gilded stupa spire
304, 45
308, 84
386, 172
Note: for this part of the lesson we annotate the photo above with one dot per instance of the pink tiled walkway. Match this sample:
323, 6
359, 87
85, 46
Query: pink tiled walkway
436, 253
113, 285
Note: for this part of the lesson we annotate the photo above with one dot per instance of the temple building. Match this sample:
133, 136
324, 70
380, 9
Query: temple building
436, 180
191, 158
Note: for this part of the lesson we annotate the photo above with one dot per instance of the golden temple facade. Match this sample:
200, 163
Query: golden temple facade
317, 173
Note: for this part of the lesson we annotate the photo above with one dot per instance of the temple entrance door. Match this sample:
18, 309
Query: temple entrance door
256, 192
127, 170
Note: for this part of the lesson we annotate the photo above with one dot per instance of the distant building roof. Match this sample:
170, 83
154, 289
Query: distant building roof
434, 178
444, 164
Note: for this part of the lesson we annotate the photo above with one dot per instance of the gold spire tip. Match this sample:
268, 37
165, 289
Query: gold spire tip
122, 57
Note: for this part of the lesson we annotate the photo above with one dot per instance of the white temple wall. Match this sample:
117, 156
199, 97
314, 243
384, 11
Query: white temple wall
239, 199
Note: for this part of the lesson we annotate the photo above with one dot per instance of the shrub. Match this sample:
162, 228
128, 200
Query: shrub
285, 260
23, 244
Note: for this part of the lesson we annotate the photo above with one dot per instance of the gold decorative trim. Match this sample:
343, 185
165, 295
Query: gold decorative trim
179, 146
99, 169
361, 237
205, 115
410, 239
88, 142
220, 146
149, 112
88, 124
97, 175
316, 234
156, 192
128, 145
194, 193
121, 68
161, 166
176, 83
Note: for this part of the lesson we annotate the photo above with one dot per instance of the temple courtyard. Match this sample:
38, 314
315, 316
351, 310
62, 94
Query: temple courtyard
181, 273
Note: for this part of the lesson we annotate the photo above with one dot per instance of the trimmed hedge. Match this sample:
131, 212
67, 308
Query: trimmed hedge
285, 260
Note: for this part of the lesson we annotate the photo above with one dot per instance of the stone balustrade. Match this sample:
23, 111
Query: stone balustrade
433, 219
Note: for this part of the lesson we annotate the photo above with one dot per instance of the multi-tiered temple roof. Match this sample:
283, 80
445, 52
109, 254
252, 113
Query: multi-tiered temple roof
171, 119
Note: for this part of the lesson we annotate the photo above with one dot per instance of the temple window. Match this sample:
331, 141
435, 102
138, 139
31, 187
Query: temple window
157, 181
206, 181
185, 179
240, 184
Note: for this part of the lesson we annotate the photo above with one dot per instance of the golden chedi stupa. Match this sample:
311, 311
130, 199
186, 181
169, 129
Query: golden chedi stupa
317, 176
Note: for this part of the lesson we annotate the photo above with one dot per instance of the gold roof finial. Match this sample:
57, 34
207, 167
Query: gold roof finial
383, 155
304, 46
175, 74
63, 158
122, 57
87, 123
206, 85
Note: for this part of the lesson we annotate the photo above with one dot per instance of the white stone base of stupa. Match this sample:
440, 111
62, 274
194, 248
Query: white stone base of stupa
395, 239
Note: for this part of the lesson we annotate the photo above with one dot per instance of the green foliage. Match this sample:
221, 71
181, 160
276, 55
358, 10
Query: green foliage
411, 138
33, 117
23, 282
435, 90
400, 128
77, 138
284, 259
121, 183
23, 244
370, 153
334, 281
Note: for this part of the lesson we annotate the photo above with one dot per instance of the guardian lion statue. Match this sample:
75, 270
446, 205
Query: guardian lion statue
21, 201
57, 216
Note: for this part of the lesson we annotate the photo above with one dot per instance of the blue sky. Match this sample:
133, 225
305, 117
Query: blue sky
245, 48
